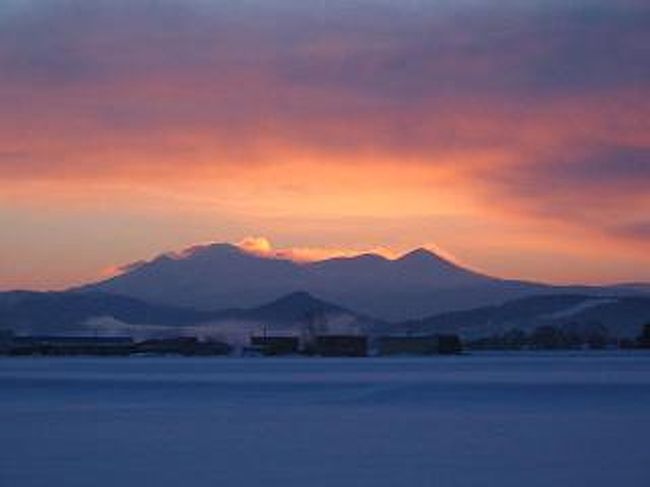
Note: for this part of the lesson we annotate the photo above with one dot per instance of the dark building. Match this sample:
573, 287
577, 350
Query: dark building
407, 345
419, 345
276, 345
449, 344
71, 345
108, 346
189, 346
6, 340
341, 346
644, 338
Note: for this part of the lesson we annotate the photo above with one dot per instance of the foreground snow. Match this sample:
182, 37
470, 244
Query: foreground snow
481, 420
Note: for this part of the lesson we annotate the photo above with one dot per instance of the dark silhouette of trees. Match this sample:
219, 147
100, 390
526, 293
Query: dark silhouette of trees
644, 339
570, 336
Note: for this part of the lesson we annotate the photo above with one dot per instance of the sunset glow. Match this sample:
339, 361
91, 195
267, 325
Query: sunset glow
515, 139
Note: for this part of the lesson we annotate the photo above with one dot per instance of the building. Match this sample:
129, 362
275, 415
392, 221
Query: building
644, 339
276, 345
419, 345
109, 346
71, 345
189, 346
449, 344
6, 340
341, 345
407, 345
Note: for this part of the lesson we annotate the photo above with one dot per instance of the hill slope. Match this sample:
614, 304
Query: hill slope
622, 316
75, 312
57, 312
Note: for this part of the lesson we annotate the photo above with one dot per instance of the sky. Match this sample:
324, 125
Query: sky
512, 136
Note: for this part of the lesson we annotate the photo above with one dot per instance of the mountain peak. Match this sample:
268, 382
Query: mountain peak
421, 254
295, 306
365, 258
210, 248
300, 299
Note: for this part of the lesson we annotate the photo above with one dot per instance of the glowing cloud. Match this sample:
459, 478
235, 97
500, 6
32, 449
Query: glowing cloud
256, 245
261, 246
501, 135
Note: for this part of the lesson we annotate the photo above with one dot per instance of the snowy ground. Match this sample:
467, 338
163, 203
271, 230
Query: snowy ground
481, 420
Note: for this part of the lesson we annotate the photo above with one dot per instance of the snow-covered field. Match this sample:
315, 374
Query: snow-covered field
566, 419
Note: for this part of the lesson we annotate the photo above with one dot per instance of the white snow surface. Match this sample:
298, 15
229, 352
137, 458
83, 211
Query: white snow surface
520, 419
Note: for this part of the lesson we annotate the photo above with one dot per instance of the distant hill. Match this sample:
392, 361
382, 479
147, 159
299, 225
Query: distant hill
58, 312
622, 316
292, 308
420, 283
75, 312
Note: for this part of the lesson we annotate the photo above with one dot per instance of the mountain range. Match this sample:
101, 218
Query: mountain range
218, 289
418, 284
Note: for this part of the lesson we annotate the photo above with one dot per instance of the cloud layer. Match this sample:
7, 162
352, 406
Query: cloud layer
509, 122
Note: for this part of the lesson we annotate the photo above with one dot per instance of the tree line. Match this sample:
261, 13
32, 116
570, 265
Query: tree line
570, 336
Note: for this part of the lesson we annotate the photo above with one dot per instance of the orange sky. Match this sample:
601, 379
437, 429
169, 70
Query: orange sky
516, 145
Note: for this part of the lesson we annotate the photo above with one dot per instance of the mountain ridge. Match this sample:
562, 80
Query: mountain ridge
417, 284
